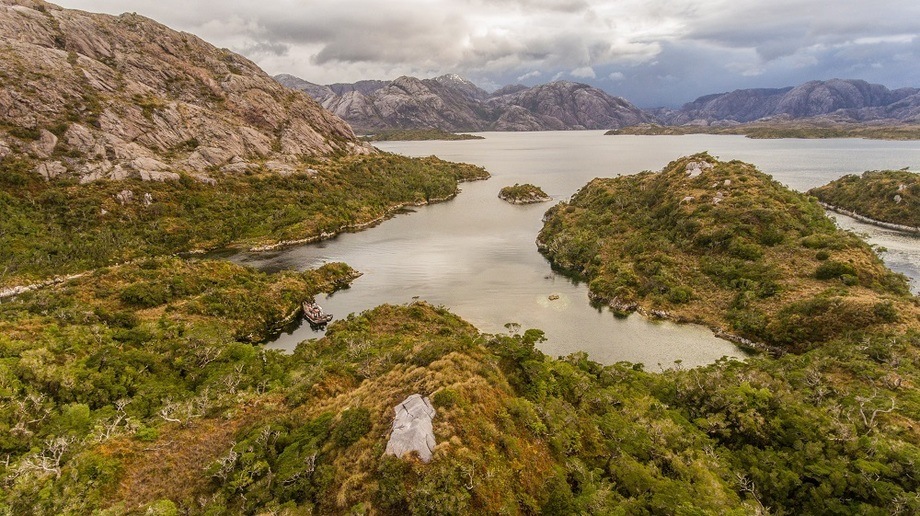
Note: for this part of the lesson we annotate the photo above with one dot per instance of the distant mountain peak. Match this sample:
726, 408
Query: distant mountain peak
452, 77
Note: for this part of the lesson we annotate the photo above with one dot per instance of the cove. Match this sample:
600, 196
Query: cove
476, 254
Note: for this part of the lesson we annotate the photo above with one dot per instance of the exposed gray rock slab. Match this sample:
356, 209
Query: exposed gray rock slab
51, 169
695, 168
412, 430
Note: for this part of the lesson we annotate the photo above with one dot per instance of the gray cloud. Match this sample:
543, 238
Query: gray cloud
650, 51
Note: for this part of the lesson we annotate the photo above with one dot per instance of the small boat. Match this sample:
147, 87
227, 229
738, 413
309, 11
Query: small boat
314, 313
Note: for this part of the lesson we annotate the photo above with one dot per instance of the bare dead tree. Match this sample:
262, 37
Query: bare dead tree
30, 410
48, 460
114, 425
206, 355
869, 414
226, 465
747, 485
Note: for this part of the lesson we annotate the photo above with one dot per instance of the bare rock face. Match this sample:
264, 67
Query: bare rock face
451, 103
695, 168
571, 105
115, 97
412, 430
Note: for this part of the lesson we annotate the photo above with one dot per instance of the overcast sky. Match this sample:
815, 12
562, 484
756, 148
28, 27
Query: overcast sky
652, 52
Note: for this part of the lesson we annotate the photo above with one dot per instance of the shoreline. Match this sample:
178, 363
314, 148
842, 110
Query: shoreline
15, 290
388, 213
862, 218
745, 344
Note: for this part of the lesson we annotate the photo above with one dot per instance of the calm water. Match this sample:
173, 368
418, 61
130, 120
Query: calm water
476, 254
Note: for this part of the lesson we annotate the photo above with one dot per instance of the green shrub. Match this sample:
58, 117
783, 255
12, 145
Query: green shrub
147, 434
25, 133
849, 280
885, 311
392, 474
680, 295
144, 295
354, 424
445, 398
745, 250
834, 269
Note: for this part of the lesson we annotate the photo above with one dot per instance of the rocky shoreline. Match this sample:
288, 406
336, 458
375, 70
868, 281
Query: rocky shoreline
868, 220
622, 308
325, 235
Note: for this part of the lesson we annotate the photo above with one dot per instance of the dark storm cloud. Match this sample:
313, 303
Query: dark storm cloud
650, 51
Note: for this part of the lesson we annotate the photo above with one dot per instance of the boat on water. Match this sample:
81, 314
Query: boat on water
315, 314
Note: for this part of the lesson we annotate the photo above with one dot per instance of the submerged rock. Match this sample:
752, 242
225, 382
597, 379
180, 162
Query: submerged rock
412, 430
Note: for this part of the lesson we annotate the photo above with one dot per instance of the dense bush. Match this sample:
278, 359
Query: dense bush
832, 269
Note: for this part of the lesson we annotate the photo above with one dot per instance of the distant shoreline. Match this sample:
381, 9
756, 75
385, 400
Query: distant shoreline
862, 218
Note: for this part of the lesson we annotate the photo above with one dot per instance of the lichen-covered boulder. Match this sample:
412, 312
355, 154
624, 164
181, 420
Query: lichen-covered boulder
412, 429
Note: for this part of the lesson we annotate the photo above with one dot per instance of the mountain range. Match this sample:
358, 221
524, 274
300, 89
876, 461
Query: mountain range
452, 103
834, 100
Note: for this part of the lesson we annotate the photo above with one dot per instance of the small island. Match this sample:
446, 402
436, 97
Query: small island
523, 194
886, 198
408, 135
724, 245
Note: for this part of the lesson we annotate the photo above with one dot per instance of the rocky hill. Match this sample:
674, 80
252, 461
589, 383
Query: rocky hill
563, 105
451, 103
833, 100
98, 96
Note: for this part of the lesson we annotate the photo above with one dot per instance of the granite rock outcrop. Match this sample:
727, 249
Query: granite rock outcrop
97, 96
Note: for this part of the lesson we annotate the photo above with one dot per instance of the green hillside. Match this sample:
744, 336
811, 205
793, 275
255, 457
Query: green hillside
130, 392
891, 196
722, 244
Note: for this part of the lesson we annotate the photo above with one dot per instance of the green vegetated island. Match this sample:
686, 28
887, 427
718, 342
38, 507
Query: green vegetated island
419, 135
523, 194
722, 244
889, 198
783, 129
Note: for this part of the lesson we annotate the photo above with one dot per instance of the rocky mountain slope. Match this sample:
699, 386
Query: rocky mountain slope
833, 100
99, 96
452, 103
